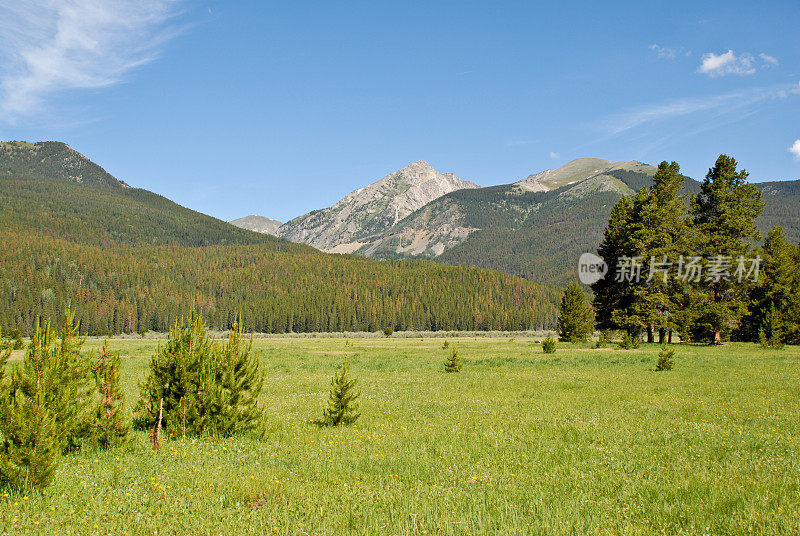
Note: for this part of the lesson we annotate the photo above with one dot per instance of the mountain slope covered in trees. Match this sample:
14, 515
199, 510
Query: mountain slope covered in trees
129, 260
48, 188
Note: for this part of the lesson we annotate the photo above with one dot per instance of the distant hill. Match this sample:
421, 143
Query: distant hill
49, 188
258, 224
372, 209
52, 160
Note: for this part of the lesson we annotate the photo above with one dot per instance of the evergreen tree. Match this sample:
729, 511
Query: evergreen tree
665, 356
453, 363
343, 407
549, 344
575, 318
723, 215
32, 438
240, 381
770, 335
660, 235
773, 299
205, 387
610, 294
111, 427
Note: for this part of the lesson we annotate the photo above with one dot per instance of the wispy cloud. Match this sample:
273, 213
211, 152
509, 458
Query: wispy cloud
52, 46
728, 62
769, 60
669, 53
795, 150
737, 102
554, 155
664, 53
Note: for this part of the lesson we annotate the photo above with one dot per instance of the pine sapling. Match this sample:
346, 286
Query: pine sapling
665, 357
32, 439
343, 407
549, 344
111, 427
453, 362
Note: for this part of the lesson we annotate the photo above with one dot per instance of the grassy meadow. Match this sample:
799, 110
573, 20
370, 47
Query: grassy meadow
583, 441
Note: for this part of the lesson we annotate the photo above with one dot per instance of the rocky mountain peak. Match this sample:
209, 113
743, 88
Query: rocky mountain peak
373, 208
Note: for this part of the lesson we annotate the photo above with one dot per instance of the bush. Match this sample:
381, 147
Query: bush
342, 400
603, 339
629, 342
549, 344
206, 387
388, 331
453, 362
665, 358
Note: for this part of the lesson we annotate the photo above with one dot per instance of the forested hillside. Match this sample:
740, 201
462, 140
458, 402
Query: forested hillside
131, 289
130, 261
104, 215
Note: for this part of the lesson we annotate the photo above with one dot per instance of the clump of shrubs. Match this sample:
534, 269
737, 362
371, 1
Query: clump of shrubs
388, 330
665, 358
549, 344
453, 363
603, 339
629, 341
343, 406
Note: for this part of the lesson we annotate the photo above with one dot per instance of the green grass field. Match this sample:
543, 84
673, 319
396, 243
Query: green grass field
582, 441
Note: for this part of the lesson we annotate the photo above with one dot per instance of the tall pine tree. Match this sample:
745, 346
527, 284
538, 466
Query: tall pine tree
575, 316
724, 217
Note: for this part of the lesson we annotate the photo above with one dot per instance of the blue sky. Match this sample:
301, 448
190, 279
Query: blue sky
240, 107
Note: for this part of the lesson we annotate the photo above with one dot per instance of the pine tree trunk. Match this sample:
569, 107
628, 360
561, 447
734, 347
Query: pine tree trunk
717, 338
650, 335
669, 337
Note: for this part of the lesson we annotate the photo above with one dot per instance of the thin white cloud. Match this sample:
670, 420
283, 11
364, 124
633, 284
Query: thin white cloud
554, 155
728, 62
795, 150
737, 102
52, 46
665, 53
768, 60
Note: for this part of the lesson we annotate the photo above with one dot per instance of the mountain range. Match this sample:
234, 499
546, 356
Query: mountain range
535, 228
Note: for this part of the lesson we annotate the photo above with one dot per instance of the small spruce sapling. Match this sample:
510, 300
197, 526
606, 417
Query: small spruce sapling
343, 407
453, 363
549, 344
388, 331
665, 357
